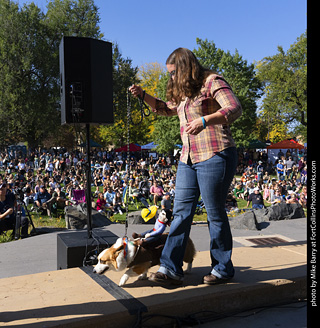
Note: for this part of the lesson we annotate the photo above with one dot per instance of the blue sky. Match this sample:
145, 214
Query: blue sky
148, 30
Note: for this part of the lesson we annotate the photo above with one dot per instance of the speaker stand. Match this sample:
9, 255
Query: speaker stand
88, 177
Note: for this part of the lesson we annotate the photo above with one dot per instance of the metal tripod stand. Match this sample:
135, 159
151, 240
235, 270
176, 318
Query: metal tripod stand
21, 205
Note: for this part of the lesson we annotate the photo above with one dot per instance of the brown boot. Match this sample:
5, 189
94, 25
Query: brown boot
211, 279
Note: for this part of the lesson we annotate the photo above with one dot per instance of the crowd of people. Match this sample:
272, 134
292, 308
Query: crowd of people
263, 182
48, 179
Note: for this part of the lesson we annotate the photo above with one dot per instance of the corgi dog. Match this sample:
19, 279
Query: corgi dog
130, 255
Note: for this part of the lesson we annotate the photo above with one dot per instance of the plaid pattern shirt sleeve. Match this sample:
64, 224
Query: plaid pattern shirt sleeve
215, 96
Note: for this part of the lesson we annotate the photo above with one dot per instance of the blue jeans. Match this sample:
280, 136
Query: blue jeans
211, 179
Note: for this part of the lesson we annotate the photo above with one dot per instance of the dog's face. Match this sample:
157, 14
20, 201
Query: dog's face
165, 216
110, 258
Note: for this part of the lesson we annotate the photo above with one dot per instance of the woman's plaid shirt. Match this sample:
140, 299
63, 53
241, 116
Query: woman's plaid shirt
215, 95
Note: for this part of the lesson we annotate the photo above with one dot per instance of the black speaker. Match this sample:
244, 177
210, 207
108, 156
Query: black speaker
73, 247
86, 81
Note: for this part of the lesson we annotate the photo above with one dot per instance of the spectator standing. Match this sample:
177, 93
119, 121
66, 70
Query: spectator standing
49, 167
301, 163
259, 170
280, 170
289, 165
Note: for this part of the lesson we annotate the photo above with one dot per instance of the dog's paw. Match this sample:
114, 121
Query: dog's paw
123, 280
143, 276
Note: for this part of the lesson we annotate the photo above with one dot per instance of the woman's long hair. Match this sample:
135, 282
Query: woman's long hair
189, 76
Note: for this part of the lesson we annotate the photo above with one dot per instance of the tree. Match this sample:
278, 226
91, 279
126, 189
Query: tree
27, 84
124, 75
78, 18
284, 77
278, 132
29, 64
73, 18
150, 76
166, 132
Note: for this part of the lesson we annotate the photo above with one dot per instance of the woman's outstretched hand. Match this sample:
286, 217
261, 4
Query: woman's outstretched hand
136, 90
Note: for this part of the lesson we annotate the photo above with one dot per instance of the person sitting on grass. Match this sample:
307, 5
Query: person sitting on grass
101, 203
103, 206
41, 199
292, 199
156, 192
58, 199
118, 204
135, 194
109, 195
256, 199
238, 191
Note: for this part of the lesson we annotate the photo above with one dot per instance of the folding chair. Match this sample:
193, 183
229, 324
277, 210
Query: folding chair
79, 196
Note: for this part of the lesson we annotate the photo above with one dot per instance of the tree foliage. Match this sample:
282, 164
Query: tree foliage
29, 64
284, 77
27, 82
166, 129
124, 75
153, 79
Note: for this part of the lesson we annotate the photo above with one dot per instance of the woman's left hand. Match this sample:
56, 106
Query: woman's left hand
194, 127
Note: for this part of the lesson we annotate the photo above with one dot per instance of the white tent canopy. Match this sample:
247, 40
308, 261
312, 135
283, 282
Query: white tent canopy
150, 145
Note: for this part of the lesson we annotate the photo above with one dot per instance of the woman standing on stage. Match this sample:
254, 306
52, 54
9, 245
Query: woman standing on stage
206, 106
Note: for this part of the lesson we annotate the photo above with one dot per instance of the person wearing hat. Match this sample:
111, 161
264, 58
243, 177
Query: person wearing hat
7, 214
259, 170
166, 202
256, 199
40, 199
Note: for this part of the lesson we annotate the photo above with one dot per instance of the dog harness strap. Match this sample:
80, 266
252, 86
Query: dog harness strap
132, 263
125, 246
